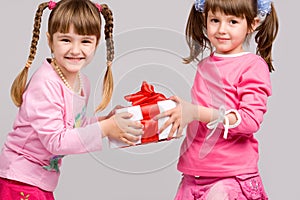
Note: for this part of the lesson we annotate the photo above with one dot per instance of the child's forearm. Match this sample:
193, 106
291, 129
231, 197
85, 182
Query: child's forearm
106, 126
206, 115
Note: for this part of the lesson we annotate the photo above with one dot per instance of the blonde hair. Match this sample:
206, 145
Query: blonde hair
84, 15
266, 32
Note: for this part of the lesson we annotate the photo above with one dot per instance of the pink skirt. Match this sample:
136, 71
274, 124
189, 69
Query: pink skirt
14, 190
243, 187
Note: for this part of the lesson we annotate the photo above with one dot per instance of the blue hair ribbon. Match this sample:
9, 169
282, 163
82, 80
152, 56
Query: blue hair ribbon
263, 6
199, 5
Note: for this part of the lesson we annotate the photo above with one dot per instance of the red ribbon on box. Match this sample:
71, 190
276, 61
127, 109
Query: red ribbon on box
147, 98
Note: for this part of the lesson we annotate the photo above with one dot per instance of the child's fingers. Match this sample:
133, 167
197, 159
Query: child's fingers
118, 107
173, 130
175, 98
164, 114
125, 115
135, 124
134, 131
165, 125
125, 141
179, 132
130, 139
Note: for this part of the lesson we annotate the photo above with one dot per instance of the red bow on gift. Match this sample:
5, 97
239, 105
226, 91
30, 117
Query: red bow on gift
147, 98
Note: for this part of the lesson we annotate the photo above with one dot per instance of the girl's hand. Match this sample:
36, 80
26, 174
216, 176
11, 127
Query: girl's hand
180, 116
119, 127
111, 113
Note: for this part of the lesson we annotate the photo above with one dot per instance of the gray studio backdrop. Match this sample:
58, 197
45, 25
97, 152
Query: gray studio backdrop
149, 42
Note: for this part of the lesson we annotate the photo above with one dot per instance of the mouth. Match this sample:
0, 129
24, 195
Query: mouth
222, 39
74, 59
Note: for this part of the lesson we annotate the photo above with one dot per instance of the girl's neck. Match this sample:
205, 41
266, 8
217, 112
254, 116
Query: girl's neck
230, 55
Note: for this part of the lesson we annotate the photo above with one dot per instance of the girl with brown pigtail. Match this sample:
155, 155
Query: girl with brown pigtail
219, 156
51, 120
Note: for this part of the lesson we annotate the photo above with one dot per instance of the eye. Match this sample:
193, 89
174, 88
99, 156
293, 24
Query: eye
65, 40
86, 41
234, 22
214, 20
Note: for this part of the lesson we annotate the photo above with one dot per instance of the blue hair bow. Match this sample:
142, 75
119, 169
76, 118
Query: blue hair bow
264, 7
199, 5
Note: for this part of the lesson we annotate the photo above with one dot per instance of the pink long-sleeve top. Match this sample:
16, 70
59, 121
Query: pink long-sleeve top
240, 82
51, 123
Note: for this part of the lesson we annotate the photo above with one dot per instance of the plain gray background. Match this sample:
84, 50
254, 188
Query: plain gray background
149, 44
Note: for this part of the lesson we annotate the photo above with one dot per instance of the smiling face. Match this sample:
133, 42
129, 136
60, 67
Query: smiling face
226, 33
72, 51
72, 38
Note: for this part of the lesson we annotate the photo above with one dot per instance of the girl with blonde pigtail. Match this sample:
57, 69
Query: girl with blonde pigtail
51, 120
219, 156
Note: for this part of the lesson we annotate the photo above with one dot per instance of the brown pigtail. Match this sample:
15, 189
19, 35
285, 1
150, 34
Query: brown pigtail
195, 35
108, 78
266, 34
19, 84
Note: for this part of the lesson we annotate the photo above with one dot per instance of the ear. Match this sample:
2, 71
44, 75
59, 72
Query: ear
49, 41
255, 24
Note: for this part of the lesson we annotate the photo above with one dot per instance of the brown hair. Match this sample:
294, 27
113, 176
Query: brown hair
85, 17
196, 27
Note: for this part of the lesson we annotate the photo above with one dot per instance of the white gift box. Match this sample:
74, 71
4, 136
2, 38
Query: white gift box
136, 111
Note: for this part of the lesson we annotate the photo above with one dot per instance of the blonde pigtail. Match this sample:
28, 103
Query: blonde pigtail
108, 78
19, 84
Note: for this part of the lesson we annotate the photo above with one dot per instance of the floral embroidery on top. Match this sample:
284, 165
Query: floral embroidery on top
24, 197
54, 161
78, 118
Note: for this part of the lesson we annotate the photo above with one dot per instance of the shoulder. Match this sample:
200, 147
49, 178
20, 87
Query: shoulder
255, 64
256, 72
253, 59
44, 91
44, 80
243, 63
44, 73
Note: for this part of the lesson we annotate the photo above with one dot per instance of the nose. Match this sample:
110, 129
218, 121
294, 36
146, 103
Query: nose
75, 48
222, 28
